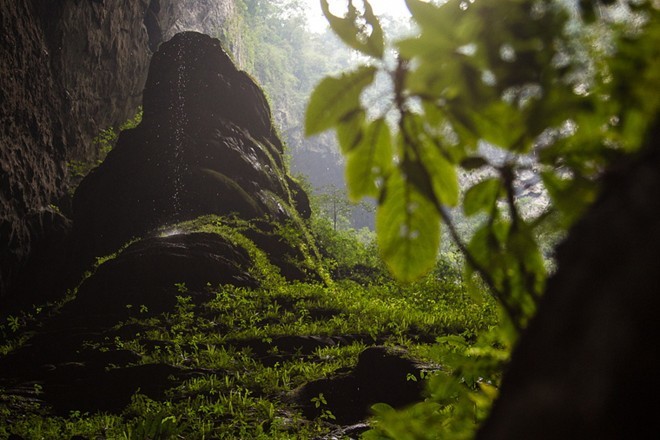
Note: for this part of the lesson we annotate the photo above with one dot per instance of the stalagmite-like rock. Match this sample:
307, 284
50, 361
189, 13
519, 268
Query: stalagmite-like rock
206, 145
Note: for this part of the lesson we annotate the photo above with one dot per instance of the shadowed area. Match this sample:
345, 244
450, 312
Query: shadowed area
206, 145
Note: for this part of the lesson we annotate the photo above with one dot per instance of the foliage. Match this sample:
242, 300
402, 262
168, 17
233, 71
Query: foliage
244, 233
230, 343
528, 91
269, 40
348, 253
345, 248
333, 203
103, 143
458, 398
492, 91
232, 229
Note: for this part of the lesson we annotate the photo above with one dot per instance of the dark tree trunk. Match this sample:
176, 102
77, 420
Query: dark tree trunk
586, 367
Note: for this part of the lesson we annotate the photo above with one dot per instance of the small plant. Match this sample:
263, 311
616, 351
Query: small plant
157, 426
320, 402
14, 323
38, 389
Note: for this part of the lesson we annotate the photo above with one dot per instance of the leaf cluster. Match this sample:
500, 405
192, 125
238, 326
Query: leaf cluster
514, 94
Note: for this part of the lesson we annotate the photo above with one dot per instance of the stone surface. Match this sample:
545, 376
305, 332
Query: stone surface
147, 273
349, 432
206, 145
87, 381
69, 69
44, 271
380, 376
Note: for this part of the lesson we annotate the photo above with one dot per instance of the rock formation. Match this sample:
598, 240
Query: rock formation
382, 375
68, 69
206, 145
205, 148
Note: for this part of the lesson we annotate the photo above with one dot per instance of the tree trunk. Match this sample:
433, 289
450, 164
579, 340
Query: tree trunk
586, 366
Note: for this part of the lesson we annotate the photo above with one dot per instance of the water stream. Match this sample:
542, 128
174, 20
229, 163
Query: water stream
180, 126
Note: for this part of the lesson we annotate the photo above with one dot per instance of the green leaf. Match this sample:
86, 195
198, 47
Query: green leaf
571, 196
350, 130
500, 124
367, 39
481, 197
433, 174
487, 248
443, 174
428, 80
335, 98
369, 161
381, 408
523, 247
408, 229
447, 24
419, 177
430, 16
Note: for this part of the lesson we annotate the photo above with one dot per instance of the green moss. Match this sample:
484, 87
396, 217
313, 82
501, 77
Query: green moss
103, 143
231, 229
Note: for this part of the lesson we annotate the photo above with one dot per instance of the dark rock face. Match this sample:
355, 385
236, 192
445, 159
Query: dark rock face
380, 376
75, 377
67, 70
584, 367
49, 231
146, 274
206, 145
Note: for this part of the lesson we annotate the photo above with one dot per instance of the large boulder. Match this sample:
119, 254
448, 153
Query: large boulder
206, 145
148, 272
382, 375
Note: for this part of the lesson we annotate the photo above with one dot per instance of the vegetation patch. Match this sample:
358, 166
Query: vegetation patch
238, 357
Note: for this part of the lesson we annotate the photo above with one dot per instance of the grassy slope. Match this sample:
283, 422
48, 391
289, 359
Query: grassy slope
242, 394
245, 364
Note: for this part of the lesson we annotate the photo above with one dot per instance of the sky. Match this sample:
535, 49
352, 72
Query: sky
317, 22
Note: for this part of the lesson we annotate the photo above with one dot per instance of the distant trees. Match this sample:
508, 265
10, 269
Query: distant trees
284, 56
272, 42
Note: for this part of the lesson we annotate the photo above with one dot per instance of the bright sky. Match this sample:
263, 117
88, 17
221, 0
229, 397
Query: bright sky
317, 22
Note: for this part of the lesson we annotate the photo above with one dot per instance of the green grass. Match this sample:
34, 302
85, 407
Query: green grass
245, 376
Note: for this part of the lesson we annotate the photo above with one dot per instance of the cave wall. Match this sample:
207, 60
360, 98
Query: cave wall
69, 68
200, 16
